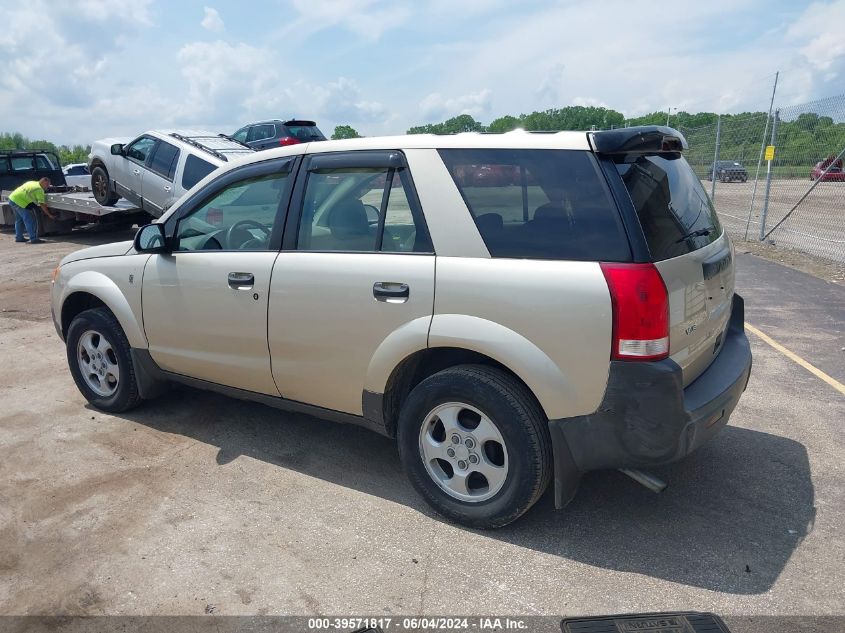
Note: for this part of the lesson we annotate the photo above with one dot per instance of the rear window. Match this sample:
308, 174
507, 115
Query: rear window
195, 170
305, 132
539, 204
674, 211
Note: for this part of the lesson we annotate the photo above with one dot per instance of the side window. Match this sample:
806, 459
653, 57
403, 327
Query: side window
140, 149
4, 165
240, 135
23, 163
360, 210
539, 204
195, 170
260, 132
240, 217
164, 160
43, 163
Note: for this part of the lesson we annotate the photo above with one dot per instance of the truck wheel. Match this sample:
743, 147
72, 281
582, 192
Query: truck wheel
99, 360
475, 444
101, 187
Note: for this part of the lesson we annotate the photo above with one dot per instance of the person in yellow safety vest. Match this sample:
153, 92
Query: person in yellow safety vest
23, 201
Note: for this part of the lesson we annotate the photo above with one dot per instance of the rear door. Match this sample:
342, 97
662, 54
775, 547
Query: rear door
261, 136
157, 181
357, 267
690, 250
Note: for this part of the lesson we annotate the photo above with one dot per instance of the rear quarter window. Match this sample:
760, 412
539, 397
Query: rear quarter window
539, 204
674, 211
195, 170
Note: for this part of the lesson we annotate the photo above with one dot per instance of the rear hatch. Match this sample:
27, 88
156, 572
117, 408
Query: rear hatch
690, 250
304, 131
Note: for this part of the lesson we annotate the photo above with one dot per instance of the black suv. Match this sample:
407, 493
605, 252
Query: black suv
17, 166
727, 171
275, 133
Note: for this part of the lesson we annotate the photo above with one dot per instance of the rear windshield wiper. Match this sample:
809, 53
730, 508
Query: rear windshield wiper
697, 233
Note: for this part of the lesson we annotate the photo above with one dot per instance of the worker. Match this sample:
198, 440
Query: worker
25, 201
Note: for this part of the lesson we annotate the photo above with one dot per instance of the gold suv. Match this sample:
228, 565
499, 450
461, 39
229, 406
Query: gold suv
511, 308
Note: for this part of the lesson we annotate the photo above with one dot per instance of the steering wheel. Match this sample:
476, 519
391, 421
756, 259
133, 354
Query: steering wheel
242, 225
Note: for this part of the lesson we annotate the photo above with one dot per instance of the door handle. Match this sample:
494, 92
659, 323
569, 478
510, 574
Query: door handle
167, 187
137, 172
241, 281
391, 292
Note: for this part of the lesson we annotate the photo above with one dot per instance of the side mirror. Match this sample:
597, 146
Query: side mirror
117, 149
151, 239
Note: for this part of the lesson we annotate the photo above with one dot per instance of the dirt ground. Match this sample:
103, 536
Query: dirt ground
200, 504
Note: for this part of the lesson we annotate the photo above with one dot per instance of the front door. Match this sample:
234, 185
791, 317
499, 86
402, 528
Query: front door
205, 304
357, 268
129, 172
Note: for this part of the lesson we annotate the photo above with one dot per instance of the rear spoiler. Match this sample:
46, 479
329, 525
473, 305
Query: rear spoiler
645, 139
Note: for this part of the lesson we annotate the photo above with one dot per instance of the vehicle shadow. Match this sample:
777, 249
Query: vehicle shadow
729, 521
88, 235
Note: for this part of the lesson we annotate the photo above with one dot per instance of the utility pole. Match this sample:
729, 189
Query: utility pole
768, 179
760, 159
715, 159
668, 113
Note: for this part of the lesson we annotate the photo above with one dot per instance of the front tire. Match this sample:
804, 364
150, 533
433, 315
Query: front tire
101, 187
100, 363
475, 444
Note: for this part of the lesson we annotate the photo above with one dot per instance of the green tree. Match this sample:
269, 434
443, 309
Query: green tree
344, 131
455, 125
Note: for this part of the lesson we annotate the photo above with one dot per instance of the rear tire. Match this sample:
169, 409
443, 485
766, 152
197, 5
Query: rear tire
100, 363
490, 422
101, 187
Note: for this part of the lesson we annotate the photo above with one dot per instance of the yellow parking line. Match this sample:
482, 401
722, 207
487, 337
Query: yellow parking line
795, 357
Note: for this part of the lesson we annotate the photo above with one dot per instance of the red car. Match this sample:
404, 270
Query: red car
835, 174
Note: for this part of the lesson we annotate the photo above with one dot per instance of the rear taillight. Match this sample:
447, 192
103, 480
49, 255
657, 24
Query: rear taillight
289, 140
640, 311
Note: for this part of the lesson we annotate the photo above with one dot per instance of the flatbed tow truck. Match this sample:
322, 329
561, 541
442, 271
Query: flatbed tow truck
71, 206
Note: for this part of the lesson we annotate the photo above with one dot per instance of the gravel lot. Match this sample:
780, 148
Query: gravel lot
817, 226
197, 504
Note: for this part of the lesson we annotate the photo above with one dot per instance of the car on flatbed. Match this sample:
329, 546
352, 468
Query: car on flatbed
153, 170
507, 334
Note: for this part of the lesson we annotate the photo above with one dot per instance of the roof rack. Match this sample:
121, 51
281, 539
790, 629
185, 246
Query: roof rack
27, 151
192, 140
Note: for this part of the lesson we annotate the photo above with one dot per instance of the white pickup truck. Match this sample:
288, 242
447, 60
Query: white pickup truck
153, 170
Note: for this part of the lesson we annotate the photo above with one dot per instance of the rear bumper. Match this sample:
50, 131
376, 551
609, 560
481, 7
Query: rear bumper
647, 417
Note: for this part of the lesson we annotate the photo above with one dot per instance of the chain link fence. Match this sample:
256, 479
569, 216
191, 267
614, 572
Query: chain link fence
795, 198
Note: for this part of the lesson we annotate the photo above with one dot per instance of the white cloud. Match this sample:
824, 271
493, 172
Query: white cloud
212, 20
633, 69
436, 106
224, 80
137, 11
367, 18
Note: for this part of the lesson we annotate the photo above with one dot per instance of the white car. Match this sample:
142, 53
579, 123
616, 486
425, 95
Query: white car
153, 170
77, 175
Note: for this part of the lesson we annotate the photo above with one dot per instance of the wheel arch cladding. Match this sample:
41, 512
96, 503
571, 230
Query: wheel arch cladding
556, 394
422, 364
100, 290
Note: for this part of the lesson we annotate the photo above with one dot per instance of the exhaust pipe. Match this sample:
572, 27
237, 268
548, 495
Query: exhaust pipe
655, 484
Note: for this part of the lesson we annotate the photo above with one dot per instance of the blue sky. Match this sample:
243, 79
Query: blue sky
77, 71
